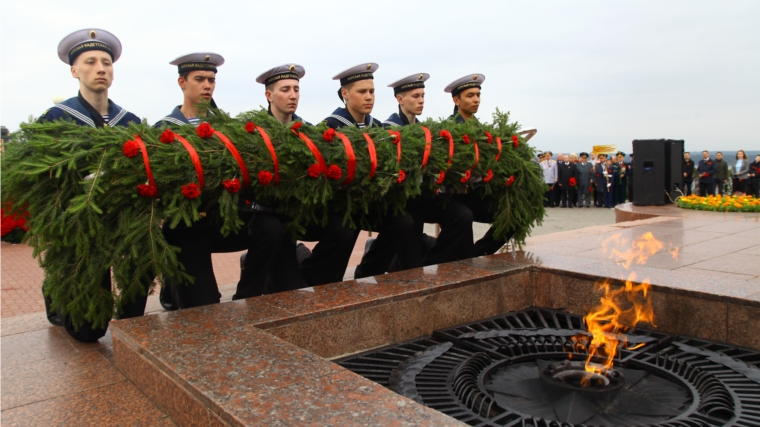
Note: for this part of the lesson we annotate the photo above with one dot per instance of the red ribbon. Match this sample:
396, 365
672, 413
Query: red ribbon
194, 158
451, 149
236, 154
372, 155
145, 160
428, 144
350, 156
477, 155
270, 147
498, 145
314, 151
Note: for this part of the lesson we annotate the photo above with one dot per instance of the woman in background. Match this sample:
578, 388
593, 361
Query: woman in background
741, 174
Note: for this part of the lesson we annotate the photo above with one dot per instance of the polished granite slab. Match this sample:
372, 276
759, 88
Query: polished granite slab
266, 360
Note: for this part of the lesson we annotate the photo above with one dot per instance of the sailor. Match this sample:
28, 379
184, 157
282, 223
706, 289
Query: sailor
329, 259
357, 91
91, 54
465, 92
263, 234
455, 241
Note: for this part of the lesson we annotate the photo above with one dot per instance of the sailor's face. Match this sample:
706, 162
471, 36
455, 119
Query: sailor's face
284, 95
468, 101
360, 97
412, 101
94, 69
198, 86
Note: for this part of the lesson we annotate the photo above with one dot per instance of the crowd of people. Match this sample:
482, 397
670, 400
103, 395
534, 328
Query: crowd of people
573, 181
716, 176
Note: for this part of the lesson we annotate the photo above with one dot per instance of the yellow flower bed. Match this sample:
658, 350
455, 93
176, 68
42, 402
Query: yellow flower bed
720, 203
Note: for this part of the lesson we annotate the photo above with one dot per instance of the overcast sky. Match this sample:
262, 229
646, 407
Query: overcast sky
582, 72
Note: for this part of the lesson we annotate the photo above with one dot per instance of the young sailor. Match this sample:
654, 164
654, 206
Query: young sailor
91, 54
328, 261
455, 239
263, 234
465, 92
357, 91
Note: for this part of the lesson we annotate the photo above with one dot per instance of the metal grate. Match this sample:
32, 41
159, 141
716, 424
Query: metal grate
489, 373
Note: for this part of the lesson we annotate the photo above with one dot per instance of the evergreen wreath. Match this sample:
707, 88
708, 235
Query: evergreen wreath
97, 197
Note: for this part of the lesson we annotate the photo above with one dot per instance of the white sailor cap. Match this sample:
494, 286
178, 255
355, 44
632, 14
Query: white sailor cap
467, 82
199, 61
282, 72
414, 81
85, 40
357, 73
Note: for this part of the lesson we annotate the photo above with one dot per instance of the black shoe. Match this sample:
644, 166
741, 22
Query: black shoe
54, 317
166, 298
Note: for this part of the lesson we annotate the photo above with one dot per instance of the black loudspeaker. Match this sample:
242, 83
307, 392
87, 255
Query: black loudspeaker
673, 168
657, 164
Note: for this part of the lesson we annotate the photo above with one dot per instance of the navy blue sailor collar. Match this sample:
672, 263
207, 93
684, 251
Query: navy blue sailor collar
342, 116
74, 108
175, 117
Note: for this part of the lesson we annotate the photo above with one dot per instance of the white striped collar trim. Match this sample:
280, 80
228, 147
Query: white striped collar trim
77, 114
342, 119
388, 122
173, 120
117, 118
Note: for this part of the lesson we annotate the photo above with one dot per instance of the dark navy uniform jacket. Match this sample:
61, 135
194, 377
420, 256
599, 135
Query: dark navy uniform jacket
396, 119
175, 118
74, 109
708, 167
458, 117
341, 117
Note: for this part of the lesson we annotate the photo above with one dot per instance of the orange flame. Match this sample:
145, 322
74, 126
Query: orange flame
620, 309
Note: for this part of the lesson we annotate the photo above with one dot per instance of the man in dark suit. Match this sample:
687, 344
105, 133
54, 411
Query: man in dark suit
630, 180
567, 181
557, 188
688, 173
599, 181
706, 172
620, 186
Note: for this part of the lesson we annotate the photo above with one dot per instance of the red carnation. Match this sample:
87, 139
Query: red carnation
233, 185
515, 141
401, 177
573, 181
489, 176
250, 127
205, 130
167, 136
265, 177
441, 177
466, 139
131, 148
489, 137
511, 180
191, 190
395, 136
315, 170
329, 135
147, 190
466, 176
295, 126
334, 172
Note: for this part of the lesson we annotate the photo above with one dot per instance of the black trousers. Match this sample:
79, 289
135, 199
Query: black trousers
393, 233
557, 194
706, 188
568, 196
329, 258
452, 244
86, 331
262, 235
687, 188
488, 244
618, 193
598, 197
549, 195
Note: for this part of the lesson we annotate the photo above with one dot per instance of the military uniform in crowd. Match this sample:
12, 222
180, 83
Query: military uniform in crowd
688, 176
567, 176
585, 171
630, 180
621, 182
465, 93
328, 261
455, 241
599, 181
92, 54
393, 230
